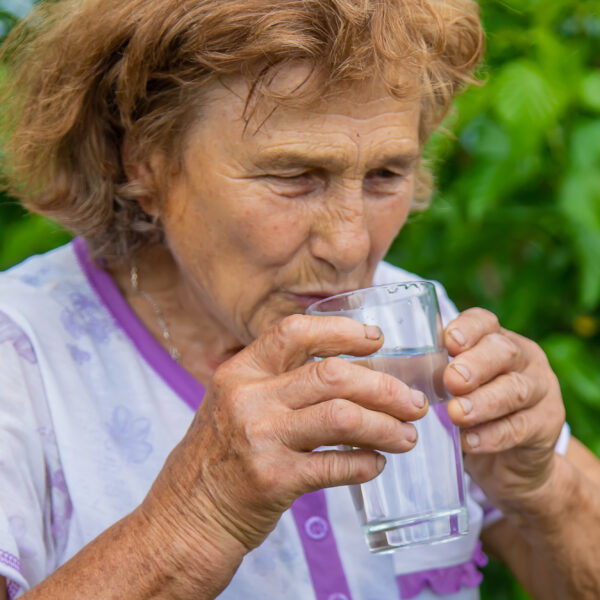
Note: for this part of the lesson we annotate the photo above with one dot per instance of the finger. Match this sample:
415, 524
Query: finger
334, 377
535, 426
506, 394
331, 468
494, 354
295, 339
341, 422
468, 328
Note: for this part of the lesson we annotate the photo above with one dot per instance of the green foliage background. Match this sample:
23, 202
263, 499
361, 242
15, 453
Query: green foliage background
515, 225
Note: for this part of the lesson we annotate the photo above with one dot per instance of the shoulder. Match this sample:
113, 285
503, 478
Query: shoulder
49, 299
45, 285
387, 273
38, 276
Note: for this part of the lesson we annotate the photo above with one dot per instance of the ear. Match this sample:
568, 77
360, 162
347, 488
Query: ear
145, 173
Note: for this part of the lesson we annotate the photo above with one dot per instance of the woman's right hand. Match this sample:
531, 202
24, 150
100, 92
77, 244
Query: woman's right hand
248, 453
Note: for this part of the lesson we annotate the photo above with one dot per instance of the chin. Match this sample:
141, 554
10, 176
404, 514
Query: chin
269, 318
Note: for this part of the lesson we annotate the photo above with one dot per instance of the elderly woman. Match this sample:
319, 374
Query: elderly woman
225, 163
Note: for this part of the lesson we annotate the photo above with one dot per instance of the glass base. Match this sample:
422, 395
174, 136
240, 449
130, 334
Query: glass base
434, 528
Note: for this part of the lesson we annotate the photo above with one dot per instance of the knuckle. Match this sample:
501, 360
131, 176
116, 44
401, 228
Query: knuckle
387, 386
291, 326
343, 417
521, 389
238, 392
490, 318
512, 432
505, 342
331, 371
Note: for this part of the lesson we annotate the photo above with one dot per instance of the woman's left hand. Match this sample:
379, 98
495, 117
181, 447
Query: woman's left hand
508, 404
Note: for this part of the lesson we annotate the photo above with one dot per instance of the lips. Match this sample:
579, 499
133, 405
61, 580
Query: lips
309, 298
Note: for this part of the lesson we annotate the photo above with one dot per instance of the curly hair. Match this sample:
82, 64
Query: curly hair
84, 75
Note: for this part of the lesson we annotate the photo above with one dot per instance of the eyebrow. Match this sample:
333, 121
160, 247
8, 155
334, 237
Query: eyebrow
289, 159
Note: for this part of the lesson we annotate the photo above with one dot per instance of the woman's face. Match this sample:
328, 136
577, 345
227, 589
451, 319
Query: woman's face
262, 220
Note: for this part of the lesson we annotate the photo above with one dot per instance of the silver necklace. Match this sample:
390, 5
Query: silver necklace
133, 275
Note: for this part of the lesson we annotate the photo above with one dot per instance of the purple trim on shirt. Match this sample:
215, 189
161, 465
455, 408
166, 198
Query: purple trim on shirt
12, 589
320, 548
444, 581
309, 511
10, 560
173, 374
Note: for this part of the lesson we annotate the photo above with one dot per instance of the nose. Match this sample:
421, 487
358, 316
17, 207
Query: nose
340, 235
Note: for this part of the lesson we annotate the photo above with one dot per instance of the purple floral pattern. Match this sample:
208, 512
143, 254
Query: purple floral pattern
83, 315
11, 332
444, 581
38, 278
130, 434
78, 355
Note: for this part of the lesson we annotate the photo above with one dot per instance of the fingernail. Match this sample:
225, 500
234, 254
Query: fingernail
457, 336
462, 370
411, 432
418, 398
380, 461
472, 439
372, 332
466, 404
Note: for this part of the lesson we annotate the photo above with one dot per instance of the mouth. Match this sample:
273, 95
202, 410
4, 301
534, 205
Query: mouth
308, 298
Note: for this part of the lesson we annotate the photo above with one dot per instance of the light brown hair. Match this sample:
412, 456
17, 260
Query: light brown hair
86, 74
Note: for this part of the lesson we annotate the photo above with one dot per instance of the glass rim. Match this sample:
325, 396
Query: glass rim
429, 285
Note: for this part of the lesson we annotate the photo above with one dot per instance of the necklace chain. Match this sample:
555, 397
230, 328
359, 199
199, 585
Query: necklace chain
135, 284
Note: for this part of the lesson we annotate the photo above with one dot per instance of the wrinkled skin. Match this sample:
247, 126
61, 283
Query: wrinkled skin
508, 404
260, 222
248, 452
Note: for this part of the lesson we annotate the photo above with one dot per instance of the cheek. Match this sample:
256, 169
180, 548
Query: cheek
272, 236
385, 221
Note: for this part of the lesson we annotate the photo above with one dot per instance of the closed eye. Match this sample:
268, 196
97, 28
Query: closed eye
382, 174
385, 181
294, 184
292, 178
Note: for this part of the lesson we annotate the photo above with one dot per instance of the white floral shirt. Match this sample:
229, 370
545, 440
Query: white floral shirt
90, 407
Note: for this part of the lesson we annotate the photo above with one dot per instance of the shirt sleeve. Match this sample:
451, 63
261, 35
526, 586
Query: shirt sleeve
26, 548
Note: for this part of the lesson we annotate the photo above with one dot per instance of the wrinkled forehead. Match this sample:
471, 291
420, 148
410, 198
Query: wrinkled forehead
358, 126
294, 95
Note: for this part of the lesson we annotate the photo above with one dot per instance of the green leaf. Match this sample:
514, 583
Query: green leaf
580, 203
585, 144
590, 91
524, 98
575, 368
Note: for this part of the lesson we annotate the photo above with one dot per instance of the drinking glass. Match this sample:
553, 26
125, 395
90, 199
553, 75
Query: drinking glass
419, 498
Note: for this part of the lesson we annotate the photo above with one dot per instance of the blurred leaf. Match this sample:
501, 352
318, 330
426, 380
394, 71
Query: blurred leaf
576, 369
585, 153
579, 201
524, 98
590, 91
30, 235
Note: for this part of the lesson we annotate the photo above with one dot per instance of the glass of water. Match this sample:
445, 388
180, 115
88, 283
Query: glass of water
419, 498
